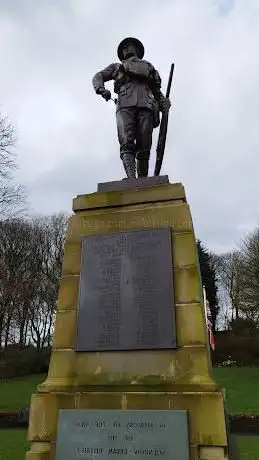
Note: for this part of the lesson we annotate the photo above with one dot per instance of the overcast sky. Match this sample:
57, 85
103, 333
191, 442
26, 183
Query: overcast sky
67, 135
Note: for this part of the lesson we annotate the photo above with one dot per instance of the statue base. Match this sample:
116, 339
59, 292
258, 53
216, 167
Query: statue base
127, 184
128, 380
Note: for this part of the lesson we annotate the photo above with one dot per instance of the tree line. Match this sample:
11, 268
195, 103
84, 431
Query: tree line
231, 280
30, 267
237, 274
31, 253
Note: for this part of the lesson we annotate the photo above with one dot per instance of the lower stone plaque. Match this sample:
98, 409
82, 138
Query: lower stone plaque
126, 299
125, 434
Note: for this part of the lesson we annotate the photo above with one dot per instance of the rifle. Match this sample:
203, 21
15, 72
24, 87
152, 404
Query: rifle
163, 129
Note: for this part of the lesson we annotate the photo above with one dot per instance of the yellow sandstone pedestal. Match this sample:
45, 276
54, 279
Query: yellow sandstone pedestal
162, 379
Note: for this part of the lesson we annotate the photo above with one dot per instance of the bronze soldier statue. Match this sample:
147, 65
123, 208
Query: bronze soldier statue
140, 99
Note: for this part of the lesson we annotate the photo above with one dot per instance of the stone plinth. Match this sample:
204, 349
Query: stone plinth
142, 379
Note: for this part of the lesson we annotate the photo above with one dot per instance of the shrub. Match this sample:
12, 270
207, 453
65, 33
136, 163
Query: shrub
16, 361
232, 349
244, 327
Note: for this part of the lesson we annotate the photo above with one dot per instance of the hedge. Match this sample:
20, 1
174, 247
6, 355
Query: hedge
16, 361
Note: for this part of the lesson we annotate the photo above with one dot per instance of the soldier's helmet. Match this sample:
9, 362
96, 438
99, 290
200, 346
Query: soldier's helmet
137, 43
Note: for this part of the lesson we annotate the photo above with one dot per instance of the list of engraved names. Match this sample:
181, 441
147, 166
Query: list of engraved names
126, 291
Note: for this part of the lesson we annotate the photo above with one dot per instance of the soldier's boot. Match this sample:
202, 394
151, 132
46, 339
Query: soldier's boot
128, 160
142, 167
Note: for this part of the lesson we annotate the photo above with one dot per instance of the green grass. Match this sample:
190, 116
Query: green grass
248, 447
13, 444
241, 384
16, 393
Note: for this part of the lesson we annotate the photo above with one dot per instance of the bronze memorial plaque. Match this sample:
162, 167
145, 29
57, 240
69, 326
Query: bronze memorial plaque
125, 434
126, 299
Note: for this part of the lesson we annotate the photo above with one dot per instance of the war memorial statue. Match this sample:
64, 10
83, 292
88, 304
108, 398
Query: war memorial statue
130, 374
138, 85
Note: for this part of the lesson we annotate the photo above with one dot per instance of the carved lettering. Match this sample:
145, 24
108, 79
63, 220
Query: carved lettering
127, 434
118, 451
82, 424
126, 292
140, 425
113, 437
90, 450
149, 452
100, 424
128, 437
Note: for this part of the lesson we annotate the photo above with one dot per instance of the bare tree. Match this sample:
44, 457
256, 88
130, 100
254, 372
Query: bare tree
250, 297
42, 314
30, 266
12, 196
20, 268
229, 270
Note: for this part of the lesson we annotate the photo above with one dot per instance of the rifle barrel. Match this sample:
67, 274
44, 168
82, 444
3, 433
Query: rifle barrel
163, 129
170, 81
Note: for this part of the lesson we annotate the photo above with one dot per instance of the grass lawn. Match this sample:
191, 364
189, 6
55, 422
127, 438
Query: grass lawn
13, 444
248, 447
242, 388
16, 393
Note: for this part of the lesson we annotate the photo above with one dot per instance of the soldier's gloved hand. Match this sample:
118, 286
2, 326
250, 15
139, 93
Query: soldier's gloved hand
165, 104
105, 93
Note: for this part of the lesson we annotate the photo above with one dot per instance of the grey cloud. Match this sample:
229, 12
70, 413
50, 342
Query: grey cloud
67, 136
